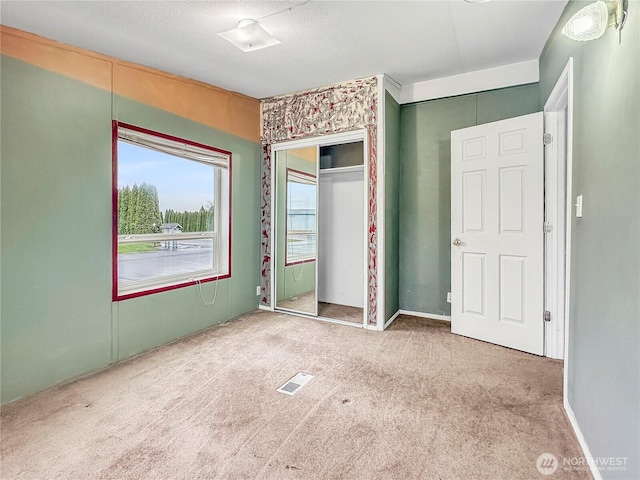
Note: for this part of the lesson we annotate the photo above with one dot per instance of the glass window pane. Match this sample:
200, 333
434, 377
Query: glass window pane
156, 188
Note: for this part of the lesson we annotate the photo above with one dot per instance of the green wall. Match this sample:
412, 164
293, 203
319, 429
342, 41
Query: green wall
425, 186
57, 317
604, 326
56, 228
392, 205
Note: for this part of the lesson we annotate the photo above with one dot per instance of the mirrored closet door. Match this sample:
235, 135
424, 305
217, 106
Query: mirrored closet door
320, 234
296, 220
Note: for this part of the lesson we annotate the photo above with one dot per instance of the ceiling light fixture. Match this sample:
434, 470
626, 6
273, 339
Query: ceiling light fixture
249, 36
590, 22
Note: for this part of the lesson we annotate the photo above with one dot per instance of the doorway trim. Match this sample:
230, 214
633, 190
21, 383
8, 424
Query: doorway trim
561, 98
558, 213
359, 135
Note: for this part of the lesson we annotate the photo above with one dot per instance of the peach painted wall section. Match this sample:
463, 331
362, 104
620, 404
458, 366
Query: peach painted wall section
223, 110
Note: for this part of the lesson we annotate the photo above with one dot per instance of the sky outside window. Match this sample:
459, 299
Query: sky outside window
182, 184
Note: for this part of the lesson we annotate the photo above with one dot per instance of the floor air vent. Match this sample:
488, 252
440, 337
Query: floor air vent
293, 386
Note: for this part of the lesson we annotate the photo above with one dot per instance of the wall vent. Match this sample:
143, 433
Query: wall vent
295, 384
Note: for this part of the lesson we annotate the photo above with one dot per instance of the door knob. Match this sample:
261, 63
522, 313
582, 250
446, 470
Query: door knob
457, 242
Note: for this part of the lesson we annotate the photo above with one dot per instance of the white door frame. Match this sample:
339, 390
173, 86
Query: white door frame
560, 101
558, 212
359, 135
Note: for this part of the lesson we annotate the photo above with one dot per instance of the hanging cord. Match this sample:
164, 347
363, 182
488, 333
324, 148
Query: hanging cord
297, 278
288, 9
201, 294
199, 283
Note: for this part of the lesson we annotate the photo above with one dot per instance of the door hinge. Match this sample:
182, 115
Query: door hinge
547, 227
547, 316
547, 139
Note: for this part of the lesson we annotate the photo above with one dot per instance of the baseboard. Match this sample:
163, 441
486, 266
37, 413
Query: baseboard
433, 316
390, 321
265, 307
583, 443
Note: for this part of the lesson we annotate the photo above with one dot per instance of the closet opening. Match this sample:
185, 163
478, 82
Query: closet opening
341, 247
319, 234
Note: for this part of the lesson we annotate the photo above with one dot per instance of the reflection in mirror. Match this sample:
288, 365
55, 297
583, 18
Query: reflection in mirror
296, 221
301, 218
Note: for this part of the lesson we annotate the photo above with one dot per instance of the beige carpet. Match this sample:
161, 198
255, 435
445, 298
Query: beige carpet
414, 402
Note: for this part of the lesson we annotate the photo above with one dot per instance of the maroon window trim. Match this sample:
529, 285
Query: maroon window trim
288, 263
114, 213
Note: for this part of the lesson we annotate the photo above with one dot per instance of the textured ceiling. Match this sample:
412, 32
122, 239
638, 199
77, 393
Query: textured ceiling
323, 42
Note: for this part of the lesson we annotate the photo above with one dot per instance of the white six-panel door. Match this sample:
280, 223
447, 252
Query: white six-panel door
497, 204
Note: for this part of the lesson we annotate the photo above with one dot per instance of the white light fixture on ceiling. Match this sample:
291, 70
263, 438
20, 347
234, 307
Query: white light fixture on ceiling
590, 22
249, 36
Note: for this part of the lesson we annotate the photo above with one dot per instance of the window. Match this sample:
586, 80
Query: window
301, 217
171, 212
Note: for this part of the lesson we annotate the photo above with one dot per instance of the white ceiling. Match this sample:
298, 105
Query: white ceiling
323, 42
